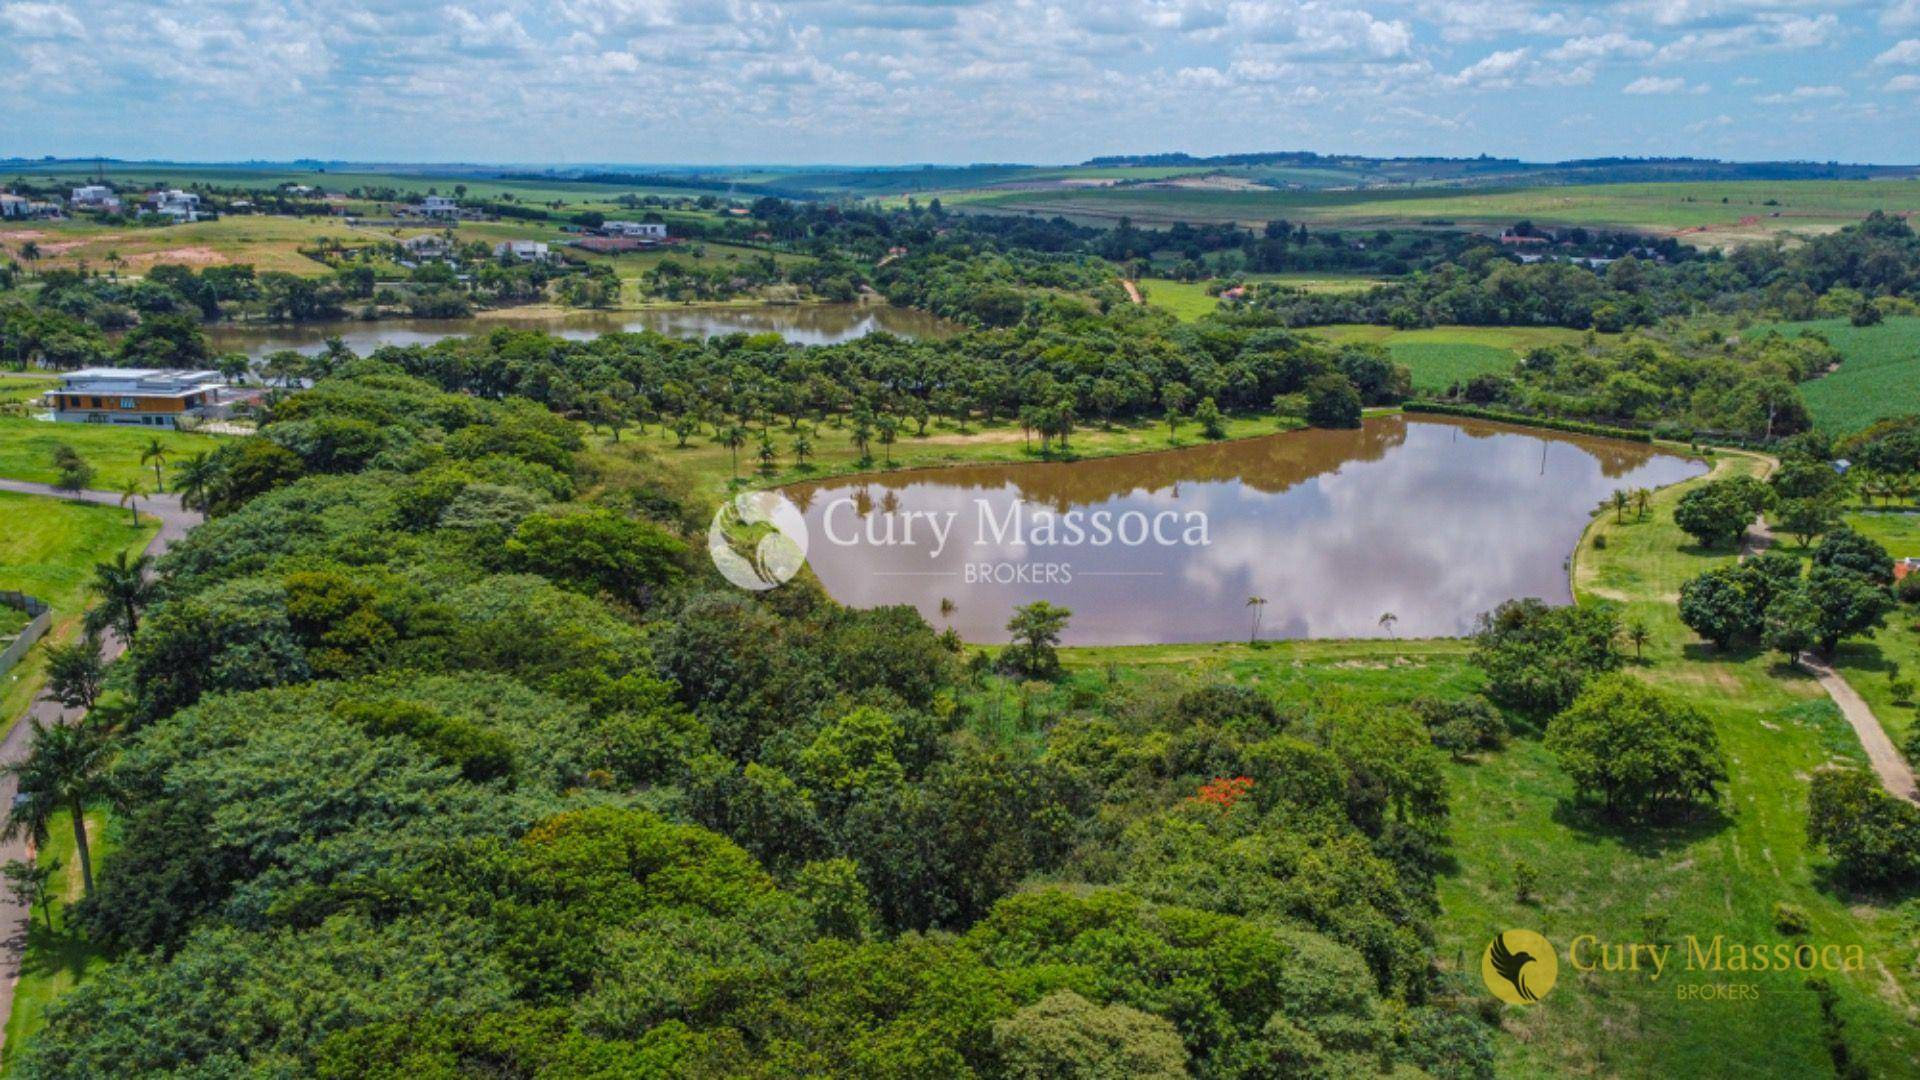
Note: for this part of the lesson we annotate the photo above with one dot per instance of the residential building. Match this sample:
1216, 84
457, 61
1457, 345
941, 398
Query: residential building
149, 397
13, 206
637, 230
440, 206
95, 197
524, 250
429, 246
176, 204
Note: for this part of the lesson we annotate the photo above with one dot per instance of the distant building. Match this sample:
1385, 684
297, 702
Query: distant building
440, 206
524, 250
430, 246
95, 197
638, 230
13, 206
1903, 567
176, 204
1514, 239
149, 397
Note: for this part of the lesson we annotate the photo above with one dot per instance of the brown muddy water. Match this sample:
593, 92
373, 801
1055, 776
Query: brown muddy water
1432, 520
803, 324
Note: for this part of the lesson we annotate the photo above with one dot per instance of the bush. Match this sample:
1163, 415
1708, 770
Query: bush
1790, 919
1572, 427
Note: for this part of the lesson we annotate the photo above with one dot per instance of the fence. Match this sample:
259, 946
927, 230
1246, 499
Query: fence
40, 618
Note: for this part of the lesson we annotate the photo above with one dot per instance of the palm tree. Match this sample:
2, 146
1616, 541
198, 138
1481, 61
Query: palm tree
1620, 499
735, 436
194, 481
1642, 498
1386, 623
123, 590
1638, 633
889, 431
1258, 604
130, 493
947, 608
61, 772
156, 455
30, 251
802, 448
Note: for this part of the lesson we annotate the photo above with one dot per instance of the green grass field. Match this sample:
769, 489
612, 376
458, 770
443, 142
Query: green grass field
1870, 664
48, 549
26, 450
1189, 300
57, 959
1442, 355
1879, 376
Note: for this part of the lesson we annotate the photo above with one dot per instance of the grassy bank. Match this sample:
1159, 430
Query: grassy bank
57, 958
27, 445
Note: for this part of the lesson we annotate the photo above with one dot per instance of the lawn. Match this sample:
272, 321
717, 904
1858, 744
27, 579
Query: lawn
26, 450
1189, 300
1879, 373
48, 549
23, 389
1441, 356
1869, 664
57, 959
1719, 874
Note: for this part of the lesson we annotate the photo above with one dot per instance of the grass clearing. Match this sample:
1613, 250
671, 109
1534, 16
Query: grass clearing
58, 958
1871, 664
48, 549
26, 450
1441, 356
1879, 375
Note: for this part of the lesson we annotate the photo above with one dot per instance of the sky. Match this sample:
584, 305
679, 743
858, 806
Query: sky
573, 82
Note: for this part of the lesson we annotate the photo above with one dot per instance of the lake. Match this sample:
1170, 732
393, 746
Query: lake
1434, 520
805, 324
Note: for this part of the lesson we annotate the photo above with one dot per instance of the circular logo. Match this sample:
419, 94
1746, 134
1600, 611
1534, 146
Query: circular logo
1519, 967
758, 540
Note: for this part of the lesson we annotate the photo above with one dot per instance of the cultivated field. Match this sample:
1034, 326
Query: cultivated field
1879, 377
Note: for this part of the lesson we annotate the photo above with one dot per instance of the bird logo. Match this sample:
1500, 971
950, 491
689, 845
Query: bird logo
1519, 967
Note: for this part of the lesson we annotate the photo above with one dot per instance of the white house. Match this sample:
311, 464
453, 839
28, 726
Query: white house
524, 250
176, 204
95, 197
638, 230
440, 206
13, 206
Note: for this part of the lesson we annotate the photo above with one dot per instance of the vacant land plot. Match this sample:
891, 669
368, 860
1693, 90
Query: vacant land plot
27, 445
1879, 376
1441, 356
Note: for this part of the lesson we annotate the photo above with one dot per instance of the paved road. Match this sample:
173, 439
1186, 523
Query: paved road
174, 523
1891, 765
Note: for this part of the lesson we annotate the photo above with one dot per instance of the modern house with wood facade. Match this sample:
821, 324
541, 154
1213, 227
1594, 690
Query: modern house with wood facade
148, 397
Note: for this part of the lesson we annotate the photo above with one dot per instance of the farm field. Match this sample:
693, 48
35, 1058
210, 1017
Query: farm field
1878, 378
1710, 214
26, 450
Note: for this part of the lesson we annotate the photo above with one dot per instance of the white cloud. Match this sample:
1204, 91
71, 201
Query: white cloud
1496, 69
1601, 47
40, 21
1655, 84
1905, 52
1901, 14
1902, 83
1800, 94
1721, 121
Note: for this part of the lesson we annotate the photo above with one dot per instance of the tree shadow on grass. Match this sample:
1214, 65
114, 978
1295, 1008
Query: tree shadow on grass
1647, 838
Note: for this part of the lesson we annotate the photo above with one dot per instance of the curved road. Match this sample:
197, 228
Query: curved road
174, 523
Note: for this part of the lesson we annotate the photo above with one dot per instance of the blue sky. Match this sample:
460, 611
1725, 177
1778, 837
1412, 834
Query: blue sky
854, 81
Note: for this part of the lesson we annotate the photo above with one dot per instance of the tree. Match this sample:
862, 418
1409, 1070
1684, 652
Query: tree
74, 474
194, 480
156, 455
1332, 402
1036, 630
1714, 513
1258, 604
1537, 658
802, 449
600, 550
1063, 1036
1639, 635
734, 437
1638, 750
1873, 837
1845, 605
124, 592
1850, 551
61, 772
1207, 415
75, 672
1387, 621
889, 429
1789, 624
130, 493
1620, 501
1804, 519
31, 885
1718, 606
